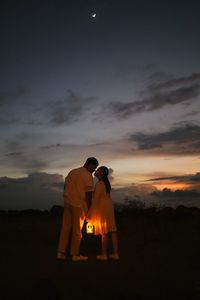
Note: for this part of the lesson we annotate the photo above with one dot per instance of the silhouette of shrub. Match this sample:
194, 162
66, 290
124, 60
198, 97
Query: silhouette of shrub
56, 210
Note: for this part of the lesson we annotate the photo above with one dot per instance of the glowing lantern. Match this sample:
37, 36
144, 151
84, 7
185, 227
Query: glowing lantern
89, 228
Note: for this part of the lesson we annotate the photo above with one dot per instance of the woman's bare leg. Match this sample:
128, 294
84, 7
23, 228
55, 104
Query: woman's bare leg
104, 244
114, 242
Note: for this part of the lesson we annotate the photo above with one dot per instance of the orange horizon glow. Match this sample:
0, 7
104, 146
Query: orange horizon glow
172, 186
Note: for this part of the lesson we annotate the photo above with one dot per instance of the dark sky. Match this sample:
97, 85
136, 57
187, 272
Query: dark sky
123, 86
62, 34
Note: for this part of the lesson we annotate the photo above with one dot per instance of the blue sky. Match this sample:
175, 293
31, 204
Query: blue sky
124, 87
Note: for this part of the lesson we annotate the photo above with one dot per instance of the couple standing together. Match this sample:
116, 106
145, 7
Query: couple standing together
84, 201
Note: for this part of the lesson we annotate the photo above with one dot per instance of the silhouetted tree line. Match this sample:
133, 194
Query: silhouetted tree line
131, 208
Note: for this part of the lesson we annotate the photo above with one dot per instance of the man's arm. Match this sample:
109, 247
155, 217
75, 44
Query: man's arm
65, 186
64, 189
88, 197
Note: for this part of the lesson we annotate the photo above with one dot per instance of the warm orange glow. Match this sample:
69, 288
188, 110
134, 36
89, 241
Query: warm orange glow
171, 185
82, 220
140, 169
100, 226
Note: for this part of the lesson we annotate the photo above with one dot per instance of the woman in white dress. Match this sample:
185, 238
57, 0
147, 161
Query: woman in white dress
101, 214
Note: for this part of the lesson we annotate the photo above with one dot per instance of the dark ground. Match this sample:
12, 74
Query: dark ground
160, 258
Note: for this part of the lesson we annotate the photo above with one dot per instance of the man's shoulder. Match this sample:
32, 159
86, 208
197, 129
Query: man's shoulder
81, 171
75, 170
84, 172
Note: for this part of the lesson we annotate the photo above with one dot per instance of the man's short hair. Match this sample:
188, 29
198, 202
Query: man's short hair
91, 161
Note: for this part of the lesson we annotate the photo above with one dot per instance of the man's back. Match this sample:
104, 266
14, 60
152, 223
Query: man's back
77, 183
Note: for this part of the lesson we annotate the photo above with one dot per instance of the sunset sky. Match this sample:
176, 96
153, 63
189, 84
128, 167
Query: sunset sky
123, 87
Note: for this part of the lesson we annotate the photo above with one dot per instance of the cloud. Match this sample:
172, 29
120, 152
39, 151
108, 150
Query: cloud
168, 92
180, 194
148, 195
6, 98
123, 110
36, 191
136, 193
191, 178
23, 154
195, 177
164, 81
50, 146
184, 182
71, 108
184, 138
7, 119
17, 143
188, 182
167, 197
19, 108
192, 113
43, 190
14, 154
156, 77
24, 163
27, 153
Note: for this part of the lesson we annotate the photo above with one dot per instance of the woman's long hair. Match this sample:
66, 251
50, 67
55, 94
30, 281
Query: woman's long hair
105, 179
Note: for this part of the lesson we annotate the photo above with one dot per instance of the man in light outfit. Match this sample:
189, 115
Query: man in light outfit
77, 198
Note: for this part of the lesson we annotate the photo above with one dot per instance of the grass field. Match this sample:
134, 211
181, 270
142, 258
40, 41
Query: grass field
160, 258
